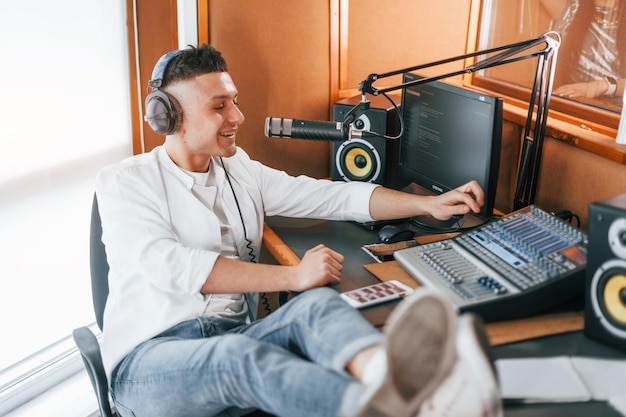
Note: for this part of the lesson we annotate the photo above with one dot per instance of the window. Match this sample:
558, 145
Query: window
65, 115
591, 41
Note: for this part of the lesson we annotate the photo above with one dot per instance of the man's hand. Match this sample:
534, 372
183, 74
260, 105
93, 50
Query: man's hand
467, 198
319, 266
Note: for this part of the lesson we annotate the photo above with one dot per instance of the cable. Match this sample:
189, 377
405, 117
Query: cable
243, 224
264, 299
401, 120
567, 216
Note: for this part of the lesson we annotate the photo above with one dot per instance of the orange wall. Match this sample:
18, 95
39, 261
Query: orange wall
384, 36
281, 58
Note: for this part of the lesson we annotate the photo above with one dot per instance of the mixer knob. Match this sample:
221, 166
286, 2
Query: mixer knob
500, 290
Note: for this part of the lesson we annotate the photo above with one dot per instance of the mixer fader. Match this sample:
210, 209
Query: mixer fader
518, 265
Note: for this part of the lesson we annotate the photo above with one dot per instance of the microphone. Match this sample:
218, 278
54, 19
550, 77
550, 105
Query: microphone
278, 127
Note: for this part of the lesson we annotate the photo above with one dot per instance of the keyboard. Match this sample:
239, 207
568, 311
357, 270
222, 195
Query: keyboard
518, 265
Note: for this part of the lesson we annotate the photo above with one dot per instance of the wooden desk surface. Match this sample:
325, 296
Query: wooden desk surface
499, 332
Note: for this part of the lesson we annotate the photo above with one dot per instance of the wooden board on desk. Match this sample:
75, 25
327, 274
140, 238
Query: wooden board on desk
386, 271
501, 332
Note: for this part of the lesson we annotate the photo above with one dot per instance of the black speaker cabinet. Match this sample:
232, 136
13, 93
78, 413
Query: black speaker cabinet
370, 158
605, 303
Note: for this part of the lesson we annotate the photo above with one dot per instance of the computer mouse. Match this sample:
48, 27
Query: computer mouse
393, 233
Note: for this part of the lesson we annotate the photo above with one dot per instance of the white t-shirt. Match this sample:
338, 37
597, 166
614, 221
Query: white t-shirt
221, 305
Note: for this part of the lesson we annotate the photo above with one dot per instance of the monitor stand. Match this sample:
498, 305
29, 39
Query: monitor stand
379, 224
429, 223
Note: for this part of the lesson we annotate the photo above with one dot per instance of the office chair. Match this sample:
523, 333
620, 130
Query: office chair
84, 338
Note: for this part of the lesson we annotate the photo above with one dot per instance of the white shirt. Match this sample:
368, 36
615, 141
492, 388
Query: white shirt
162, 241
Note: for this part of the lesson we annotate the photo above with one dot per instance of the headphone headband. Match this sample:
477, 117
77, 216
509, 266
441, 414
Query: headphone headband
159, 69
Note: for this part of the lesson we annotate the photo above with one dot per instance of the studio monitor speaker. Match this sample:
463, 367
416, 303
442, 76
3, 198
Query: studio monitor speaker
605, 303
370, 158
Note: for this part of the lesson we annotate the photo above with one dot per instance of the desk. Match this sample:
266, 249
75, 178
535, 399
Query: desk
288, 239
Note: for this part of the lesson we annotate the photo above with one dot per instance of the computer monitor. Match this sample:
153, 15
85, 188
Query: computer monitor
451, 135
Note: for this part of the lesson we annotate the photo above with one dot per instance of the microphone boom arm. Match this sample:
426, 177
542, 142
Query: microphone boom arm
534, 131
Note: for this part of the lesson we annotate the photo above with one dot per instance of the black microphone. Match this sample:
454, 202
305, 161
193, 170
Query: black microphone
278, 127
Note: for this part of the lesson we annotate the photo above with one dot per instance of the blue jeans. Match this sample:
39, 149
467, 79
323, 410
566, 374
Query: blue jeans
290, 363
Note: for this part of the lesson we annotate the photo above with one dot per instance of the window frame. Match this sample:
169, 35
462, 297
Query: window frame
601, 113
39, 372
579, 124
605, 121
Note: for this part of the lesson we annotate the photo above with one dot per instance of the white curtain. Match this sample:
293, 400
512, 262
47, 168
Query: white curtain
64, 114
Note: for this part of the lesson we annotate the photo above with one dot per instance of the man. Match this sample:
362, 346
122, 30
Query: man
182, 227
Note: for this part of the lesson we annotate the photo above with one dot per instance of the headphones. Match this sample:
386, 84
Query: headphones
161, 108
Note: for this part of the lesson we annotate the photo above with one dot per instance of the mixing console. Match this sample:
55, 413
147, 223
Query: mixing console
516, 266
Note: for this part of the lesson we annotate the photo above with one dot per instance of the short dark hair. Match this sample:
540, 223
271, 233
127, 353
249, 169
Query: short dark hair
193, 61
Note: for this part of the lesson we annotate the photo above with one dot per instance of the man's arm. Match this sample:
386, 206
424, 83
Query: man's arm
387, 204
319, 266
591, 89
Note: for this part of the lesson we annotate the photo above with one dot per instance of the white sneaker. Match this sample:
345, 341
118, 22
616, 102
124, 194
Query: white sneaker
437, 364
420, 351
471, 389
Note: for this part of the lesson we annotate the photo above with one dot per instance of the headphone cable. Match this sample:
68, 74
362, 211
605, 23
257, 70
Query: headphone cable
264, 298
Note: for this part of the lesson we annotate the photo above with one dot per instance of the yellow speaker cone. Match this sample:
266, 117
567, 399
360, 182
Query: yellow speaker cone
358, 162
613, 300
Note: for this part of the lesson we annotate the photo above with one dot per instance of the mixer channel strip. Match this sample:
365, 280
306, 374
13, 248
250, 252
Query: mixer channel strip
516, 266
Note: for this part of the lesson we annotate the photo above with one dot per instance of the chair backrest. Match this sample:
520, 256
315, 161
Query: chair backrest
98, 265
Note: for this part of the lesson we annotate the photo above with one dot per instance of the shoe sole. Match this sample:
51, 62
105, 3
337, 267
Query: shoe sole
420, 346
474, 350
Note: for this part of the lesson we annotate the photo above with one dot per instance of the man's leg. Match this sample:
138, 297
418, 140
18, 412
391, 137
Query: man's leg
427, 354
431, 357
320, 326
186, 373
436, 365
471, 389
